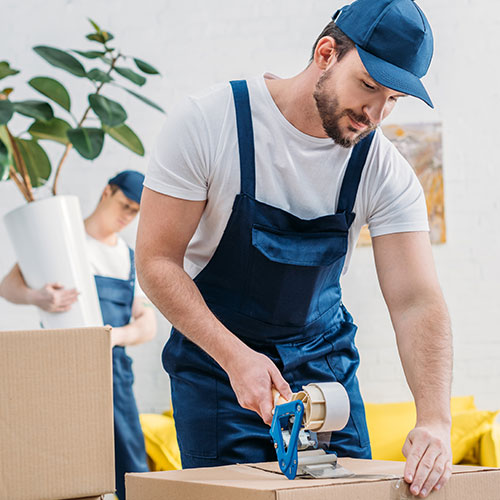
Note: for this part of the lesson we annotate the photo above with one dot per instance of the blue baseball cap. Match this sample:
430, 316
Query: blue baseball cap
394, 41
130, 182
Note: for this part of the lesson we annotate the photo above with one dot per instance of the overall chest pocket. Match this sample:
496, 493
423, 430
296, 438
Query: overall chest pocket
115, 300
123, 296
294, 275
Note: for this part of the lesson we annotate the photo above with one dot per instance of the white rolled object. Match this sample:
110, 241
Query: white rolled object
326, 406
48, 237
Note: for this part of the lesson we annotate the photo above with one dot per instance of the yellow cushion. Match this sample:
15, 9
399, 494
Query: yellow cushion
489, 447
390, 423
388, 426
462, 403
472, 455
161, 441
467, 428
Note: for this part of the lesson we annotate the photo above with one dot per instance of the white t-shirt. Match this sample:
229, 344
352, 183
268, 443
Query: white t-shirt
110, 261
196, 158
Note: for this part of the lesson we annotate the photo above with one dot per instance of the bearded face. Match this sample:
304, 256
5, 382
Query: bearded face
343, 125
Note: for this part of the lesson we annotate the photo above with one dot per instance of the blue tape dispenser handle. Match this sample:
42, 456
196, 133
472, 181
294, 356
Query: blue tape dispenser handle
287, 455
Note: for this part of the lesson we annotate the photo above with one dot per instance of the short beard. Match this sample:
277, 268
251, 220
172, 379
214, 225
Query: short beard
330, 117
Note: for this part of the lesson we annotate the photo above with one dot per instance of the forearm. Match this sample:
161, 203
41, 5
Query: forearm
421, 321
14, 289
424, 339
175, 294
141, 329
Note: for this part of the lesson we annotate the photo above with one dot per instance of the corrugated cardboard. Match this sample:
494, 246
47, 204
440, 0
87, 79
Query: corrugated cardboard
376, 480
100, 497
56, 414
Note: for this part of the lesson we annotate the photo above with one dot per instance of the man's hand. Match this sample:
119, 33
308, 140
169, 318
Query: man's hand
253, 376
53, 297
428, 458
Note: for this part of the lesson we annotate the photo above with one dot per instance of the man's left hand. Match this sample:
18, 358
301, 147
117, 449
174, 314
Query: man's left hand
428, 458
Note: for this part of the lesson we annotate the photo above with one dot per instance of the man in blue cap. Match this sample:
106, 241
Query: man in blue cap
254, 201
123, 306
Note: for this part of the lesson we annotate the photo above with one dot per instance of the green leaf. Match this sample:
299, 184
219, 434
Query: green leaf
131, 75
6, 70
53, 130
4, 136
89, 54
61, 59
94, 25
5, 161
39, 110
4, 152
36, 160
101, 37
146, 67
110, 112
7, 91
107, 60
144, 99
99, 76
126, 136
107, 35
96, 37
52, 89
87, 141
6, 111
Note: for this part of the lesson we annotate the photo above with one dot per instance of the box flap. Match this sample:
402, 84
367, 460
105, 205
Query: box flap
56, 414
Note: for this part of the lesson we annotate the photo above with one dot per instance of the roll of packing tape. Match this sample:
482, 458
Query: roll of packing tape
326, 405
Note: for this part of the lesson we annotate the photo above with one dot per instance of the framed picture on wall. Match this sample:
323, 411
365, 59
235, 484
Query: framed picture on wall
421, 145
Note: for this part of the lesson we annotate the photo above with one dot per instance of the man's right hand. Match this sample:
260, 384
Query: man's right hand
53, 297
253, 376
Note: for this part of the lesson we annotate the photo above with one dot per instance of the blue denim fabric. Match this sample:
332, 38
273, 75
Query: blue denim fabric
274, 282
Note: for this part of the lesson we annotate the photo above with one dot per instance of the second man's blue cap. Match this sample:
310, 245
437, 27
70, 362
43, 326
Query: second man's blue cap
394, 41
130, 182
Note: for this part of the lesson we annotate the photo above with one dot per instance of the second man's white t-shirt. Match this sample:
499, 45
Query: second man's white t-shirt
111, 261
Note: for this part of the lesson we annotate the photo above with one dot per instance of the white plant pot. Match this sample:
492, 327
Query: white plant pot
49, 240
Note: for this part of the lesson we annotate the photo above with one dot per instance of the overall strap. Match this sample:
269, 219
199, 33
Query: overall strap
245, 136
352, 174
132, 265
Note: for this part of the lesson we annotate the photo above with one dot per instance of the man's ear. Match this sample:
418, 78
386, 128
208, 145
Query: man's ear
325, 53
106, 192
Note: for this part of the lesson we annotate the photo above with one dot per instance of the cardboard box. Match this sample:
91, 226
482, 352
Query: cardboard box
56, 414
377, 480
100, 497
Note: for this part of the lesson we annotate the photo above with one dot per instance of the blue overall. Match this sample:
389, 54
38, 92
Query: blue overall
115, 298
274, 282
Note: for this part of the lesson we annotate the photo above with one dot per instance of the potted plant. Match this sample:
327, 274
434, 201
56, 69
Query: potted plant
48, 234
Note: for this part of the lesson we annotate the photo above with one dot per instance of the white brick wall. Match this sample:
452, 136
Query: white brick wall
196, 43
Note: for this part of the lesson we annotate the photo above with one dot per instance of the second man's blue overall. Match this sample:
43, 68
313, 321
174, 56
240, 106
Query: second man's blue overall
274, 282
116, 297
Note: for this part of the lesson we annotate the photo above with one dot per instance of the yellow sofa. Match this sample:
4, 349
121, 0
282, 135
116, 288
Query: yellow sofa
161, 441
475, 438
